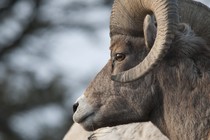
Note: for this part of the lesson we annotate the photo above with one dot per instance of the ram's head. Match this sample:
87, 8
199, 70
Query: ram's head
126, 90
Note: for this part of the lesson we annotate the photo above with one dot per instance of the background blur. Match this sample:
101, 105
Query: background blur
49, 51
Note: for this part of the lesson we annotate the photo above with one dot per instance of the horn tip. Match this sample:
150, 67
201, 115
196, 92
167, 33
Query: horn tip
118, 78
114, 78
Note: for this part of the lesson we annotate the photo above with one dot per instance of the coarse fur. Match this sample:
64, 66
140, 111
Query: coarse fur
184, 80
175, 95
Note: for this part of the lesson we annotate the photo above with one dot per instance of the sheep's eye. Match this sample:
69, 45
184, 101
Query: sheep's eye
119, 56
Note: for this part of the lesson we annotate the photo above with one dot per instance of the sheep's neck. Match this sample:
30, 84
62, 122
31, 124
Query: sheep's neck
182, 116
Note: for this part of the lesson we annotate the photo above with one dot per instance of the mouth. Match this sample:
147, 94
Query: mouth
83, 118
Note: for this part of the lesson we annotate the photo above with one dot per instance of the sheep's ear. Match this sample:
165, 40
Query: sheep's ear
150, 31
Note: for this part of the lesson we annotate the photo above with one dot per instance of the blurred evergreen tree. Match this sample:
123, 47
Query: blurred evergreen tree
12, 101
108, 2
20, 91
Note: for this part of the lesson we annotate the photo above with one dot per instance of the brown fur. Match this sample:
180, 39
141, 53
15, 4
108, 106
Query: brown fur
175, 95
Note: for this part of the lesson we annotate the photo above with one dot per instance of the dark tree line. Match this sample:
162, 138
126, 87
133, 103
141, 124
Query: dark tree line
20, 91
12, 101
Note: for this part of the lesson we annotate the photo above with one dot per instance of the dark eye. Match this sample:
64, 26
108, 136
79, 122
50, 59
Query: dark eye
119, 56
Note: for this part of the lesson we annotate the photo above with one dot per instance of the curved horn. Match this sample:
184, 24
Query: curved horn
197, 15
127, 18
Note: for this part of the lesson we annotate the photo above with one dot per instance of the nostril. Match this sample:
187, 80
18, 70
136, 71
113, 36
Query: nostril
75, 106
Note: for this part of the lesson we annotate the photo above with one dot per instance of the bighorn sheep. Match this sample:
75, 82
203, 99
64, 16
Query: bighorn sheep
159, 74
134, 131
